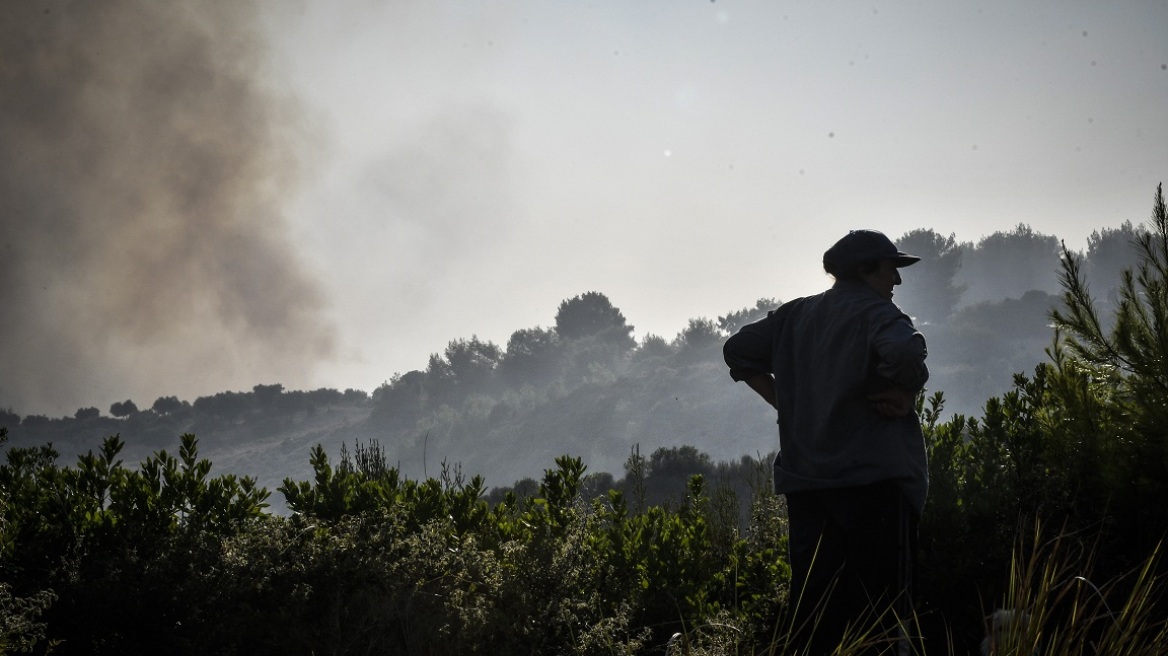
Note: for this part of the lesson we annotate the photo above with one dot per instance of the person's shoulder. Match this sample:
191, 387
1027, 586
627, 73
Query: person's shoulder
888, 312
859, 299
855, 295
796, 304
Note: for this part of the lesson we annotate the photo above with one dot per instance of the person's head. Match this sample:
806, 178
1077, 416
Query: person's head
869, 257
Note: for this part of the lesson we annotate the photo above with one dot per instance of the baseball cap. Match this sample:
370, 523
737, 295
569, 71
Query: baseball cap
865, 245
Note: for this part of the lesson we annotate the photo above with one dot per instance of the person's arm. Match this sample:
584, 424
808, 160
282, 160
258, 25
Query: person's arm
748, 354
902, 353
764, 386
893, 402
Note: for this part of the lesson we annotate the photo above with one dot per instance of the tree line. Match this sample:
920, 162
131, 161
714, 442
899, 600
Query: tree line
1050, 500
584, 385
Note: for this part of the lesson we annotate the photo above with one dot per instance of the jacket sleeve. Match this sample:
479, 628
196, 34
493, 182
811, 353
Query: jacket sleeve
902, 353
749, 351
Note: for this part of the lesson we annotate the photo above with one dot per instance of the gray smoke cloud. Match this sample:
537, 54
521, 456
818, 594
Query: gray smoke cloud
146, 167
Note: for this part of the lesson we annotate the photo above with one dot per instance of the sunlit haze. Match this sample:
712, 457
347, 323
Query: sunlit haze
404, 174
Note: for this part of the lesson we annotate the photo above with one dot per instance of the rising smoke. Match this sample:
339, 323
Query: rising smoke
146, 168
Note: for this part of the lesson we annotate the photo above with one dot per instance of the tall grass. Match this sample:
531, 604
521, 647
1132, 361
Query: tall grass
1051, 607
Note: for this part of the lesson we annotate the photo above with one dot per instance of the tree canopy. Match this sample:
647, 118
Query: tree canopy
592, 314
932, 292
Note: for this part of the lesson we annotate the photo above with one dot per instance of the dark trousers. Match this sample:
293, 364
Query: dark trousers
851, 551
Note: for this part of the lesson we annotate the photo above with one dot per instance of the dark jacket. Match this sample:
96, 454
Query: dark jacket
828, 352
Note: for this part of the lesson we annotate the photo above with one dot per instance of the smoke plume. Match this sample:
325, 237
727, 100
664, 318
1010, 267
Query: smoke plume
143, 246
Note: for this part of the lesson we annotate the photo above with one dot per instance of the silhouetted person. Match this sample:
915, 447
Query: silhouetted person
843, 369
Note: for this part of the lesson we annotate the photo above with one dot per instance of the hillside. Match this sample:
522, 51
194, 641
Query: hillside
586, 388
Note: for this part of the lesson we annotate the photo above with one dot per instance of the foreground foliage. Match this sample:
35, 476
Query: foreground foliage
163, 555
103, 558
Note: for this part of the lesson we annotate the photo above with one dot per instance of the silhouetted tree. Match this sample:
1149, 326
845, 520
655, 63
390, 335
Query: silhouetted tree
87, 413
592, 314
36, 422
8, 418
465, 367
1009, 264
1135, 345
399, 403
165, 405
327, 396
472, 362
699, 339
439, 374
354, 396
596, 339
123, 408
974, 354
669, 469
652, 346
532, 357
597, 485
681, 460
733, 321
1109, 252
267, 396
227, 406
930, 291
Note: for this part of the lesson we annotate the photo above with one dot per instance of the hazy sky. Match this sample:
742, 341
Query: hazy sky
465, 166
486, 160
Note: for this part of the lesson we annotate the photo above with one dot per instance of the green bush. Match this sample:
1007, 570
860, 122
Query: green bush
102, 558
117, 547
